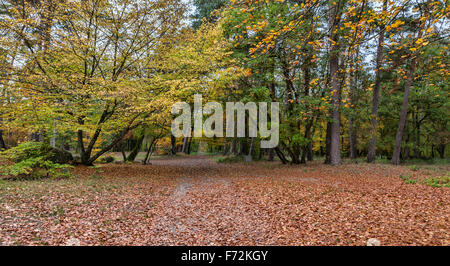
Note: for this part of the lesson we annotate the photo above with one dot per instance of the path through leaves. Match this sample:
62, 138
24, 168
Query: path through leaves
195, 201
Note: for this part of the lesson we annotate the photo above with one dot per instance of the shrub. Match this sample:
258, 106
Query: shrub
108, 159
35, 160
230, 159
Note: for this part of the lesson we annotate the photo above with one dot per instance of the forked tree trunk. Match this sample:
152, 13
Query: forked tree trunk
136, 149
149, 151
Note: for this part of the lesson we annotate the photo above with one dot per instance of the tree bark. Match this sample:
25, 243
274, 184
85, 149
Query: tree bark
335, 128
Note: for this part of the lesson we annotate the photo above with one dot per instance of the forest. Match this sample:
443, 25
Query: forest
87, 90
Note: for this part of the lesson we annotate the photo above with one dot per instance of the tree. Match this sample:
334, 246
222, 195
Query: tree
376, 91
92, 77
424, 16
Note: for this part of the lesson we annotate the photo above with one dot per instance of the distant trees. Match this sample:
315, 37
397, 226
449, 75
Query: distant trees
324, 65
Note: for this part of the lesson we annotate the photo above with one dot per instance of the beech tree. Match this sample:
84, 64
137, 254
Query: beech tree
89, 74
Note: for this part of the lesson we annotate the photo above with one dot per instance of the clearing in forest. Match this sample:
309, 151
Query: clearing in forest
196, 201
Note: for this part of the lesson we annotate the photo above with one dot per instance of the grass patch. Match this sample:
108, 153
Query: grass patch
438, 181
408, 180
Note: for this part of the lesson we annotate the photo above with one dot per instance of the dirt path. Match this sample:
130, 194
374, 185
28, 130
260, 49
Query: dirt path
206, 208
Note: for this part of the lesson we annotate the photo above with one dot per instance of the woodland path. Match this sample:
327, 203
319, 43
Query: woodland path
196, 201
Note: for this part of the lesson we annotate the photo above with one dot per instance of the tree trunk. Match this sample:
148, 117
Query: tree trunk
376, 93
306, 152
252, 148
352, 128
124, 155
233, 146
441, 150
243, 147
173, 148
185, 145
271, 155
293, 153
417, 151
310, 154
281, 155
403, 114
225, 148
149, 151
328, 144
303, 159
2, 142
353, 140
335, 128
136, 149
189, 146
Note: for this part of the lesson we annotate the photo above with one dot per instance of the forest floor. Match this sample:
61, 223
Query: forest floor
196, 201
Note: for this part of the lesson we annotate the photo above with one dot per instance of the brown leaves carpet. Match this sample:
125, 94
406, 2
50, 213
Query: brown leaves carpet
195, 201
